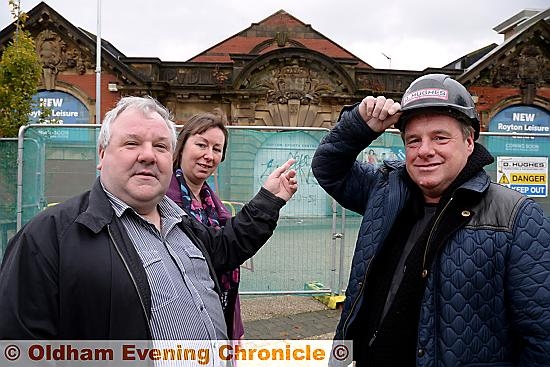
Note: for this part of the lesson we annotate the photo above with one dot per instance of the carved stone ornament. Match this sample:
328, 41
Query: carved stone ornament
293, 82
220, 77
532, 64
55, 57
195, 76
525, 66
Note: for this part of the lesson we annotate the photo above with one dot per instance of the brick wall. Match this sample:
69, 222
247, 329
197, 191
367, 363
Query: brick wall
87, 84
492, 100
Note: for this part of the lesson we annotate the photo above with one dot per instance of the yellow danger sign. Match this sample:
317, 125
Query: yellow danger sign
527, 178
504, 180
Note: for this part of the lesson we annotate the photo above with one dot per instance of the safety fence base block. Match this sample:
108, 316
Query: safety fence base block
332, 301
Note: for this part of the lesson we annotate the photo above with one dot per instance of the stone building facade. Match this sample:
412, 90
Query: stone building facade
277, 72
280, 71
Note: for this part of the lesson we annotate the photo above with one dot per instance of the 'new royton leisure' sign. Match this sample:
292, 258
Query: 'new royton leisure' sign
520, 119
64, 109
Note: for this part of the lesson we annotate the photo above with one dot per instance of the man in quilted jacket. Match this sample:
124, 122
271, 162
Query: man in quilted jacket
449, 268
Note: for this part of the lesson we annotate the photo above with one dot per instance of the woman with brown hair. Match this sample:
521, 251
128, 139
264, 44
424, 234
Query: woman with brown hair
200, 149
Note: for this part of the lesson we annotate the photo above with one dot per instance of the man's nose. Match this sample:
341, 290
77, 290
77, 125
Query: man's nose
147, 153
426, 148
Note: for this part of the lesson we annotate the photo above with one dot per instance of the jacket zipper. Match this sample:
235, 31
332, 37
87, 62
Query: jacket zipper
371, 341
133, 279
424, 271
345, 328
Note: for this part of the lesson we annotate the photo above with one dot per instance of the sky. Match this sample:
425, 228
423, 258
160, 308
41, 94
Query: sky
413, 35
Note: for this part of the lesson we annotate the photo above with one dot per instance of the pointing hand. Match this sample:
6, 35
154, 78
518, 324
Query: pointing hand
282, 181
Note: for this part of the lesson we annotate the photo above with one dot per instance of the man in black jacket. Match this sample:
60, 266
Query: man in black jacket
122, 261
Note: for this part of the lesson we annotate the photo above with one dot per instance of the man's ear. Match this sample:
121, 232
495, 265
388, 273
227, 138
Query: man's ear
470, 144
101, 154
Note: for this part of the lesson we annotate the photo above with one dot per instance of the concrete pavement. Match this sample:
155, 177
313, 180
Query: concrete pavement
288, 317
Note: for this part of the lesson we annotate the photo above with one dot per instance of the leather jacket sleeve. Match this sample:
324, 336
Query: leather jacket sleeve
244, 234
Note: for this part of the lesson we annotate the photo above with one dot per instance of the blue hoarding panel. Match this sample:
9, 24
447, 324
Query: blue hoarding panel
64, 109
520, 119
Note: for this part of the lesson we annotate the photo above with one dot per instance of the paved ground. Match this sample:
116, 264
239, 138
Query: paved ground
288, 317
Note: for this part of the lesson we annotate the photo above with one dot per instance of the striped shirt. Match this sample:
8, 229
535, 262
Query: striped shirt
184, 304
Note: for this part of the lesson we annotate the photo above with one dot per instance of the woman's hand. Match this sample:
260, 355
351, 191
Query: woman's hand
282, 181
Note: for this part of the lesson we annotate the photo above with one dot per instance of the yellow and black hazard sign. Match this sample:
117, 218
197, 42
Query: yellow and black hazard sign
504, 180
527, 178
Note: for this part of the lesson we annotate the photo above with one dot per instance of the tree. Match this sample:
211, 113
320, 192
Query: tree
20, 71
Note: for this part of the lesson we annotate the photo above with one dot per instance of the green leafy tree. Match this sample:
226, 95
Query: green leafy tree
20, 71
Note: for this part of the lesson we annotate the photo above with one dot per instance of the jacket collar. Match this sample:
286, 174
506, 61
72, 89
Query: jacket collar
472, 177
478, 183
99, 212
394, 164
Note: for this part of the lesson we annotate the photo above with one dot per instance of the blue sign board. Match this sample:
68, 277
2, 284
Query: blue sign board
520, 119
531, 190
64, 109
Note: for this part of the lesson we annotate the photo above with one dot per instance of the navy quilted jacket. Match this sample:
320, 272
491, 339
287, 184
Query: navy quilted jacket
487, 299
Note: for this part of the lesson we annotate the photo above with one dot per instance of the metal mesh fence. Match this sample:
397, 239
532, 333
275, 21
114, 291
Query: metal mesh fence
8, 190
301, 248
313, 243
62, 164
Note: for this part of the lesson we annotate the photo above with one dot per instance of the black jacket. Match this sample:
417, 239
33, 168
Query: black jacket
73, 273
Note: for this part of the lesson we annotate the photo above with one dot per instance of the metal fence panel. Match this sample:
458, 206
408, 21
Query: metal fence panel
8, 190
301, 249
312, 243
59, 163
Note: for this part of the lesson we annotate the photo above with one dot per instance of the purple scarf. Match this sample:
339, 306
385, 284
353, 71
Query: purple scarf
211, 213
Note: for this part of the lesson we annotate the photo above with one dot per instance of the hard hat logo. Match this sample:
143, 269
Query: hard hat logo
425, 93
442, 94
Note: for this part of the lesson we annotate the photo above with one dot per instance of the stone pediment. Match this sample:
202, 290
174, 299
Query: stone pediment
295, 75
520, 61
525, 64
279, 30
65, 48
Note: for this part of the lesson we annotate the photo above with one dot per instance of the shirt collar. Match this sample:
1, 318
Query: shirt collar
167, 208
